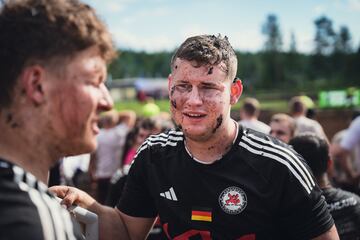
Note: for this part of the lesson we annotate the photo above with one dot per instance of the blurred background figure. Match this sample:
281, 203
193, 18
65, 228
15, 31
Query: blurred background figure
282, 126
143, 128
74, 168
345, 151
343, 206
310, 106
249, 113
111, 139
298, 109
164, 121
150, 108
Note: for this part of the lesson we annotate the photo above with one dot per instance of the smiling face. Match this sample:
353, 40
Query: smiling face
77, 97
200, 99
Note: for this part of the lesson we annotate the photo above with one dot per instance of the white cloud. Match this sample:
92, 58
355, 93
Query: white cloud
192, 30
114, 7
319, 9
146, 14
110, 6
249, 40
353, 5
151, 44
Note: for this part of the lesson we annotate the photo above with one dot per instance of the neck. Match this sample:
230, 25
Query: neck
214, 149
23, 145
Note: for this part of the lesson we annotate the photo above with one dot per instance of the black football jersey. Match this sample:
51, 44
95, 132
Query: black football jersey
261, 189
28, 210
345, 209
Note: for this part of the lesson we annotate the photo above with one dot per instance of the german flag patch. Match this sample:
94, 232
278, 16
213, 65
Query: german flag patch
201, 215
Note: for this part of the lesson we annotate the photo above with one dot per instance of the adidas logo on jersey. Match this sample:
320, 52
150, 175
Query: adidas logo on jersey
169, 194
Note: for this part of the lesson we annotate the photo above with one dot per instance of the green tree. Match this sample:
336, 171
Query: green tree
272, 32
343, 41
272, 72
325, 36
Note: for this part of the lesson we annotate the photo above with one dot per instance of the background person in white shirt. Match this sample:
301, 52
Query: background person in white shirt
249, 114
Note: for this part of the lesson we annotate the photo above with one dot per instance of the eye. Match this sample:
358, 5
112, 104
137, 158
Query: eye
208, 87
183, 87
96, 81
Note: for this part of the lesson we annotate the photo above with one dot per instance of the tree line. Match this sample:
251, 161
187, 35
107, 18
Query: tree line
333, 63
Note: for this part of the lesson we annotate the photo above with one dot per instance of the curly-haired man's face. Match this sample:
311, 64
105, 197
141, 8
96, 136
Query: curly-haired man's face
76, 101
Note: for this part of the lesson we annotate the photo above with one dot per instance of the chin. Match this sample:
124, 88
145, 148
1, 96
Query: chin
86, 147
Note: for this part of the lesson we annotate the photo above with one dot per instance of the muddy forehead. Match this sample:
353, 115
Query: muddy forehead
190, 66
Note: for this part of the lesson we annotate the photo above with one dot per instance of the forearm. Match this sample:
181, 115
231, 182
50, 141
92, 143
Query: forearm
111, 225
331, 234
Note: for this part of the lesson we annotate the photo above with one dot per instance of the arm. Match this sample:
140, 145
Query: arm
341, 155
332, 234
113, 224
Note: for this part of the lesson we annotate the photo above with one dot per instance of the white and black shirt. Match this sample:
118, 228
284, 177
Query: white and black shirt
28, 210
261, 189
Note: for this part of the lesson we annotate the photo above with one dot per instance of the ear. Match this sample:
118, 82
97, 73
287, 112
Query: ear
236, 91
33, 83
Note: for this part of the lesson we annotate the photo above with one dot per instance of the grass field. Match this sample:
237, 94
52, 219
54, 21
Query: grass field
276, 105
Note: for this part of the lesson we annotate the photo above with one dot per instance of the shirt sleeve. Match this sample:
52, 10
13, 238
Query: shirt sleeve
352, 135
303, 214
136, 199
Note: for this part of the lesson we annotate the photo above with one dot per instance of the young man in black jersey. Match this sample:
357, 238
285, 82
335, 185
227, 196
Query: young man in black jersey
344, 206
212, 178
53, 57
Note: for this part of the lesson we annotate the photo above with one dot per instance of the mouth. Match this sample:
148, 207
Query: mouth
95, 127
195, 115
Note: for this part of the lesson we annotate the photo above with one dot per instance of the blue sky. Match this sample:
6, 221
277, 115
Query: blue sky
155, 25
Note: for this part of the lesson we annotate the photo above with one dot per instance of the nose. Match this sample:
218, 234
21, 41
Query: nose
194, 97
106, 102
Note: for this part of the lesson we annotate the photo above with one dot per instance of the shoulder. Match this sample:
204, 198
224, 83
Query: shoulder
277, 156
336, 197
167, 141
355, 125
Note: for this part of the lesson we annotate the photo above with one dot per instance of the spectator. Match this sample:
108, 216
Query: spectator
134, 139
282, 127
106, 159
310, 106
303, 124
53, 57
150, 108
343, 206
249, 114
350, 142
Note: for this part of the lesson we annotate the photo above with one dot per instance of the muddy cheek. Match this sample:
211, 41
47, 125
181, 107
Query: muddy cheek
172, 91
219, 121
71, 115
173, 103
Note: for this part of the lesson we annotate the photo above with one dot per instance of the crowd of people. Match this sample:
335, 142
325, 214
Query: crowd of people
194, 173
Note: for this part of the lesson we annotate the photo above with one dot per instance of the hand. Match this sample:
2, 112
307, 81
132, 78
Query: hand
71, 196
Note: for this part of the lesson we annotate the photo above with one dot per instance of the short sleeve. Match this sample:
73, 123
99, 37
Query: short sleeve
136, 199
303, 214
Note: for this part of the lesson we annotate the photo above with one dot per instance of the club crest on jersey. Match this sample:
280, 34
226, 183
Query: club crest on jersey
233, 200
